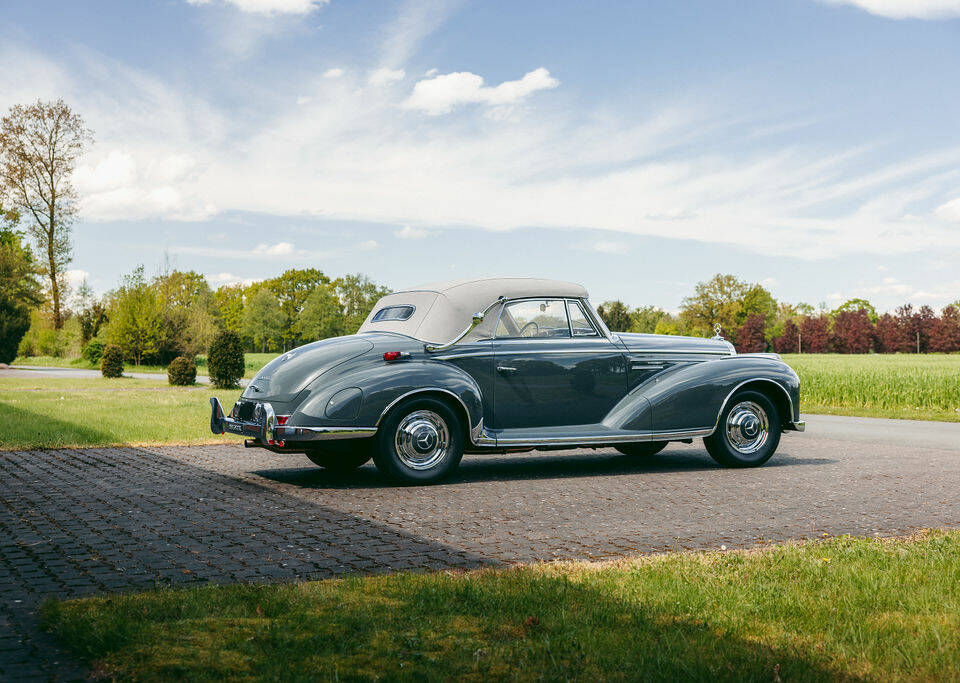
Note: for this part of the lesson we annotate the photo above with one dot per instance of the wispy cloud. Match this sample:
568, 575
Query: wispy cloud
268, 6
408, 232
278, 249
906, 9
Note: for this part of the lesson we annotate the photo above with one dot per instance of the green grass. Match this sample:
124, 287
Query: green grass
253, 363
911, 386
62, 412
838, 609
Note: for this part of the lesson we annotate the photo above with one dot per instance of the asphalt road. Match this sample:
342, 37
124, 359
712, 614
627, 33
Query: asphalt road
87, 521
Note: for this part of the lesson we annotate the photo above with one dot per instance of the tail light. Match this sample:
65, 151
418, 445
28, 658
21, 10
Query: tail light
282, 419
395, 355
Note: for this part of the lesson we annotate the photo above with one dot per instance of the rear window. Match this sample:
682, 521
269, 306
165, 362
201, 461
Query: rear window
393, 313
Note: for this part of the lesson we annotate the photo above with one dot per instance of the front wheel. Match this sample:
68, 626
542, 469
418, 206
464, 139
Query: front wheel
747, 433
420, 441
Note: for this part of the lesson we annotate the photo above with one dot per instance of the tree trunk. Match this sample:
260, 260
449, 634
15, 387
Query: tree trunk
54, 285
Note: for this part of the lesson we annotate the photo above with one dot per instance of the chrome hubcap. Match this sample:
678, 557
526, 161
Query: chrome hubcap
422, 440
747, 427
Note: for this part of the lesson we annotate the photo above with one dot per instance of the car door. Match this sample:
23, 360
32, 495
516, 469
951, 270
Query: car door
553, 367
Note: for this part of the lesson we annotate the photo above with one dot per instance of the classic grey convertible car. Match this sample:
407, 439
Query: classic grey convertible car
426, 379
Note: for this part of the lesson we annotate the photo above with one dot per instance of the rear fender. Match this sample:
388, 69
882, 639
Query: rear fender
384, 384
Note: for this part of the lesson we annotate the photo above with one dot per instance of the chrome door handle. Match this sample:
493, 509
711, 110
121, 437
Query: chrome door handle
502, 368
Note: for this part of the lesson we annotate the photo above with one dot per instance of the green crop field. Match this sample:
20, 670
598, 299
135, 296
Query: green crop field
839, 609
911, 386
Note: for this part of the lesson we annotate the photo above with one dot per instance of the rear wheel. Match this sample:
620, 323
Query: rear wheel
341, 456
641, 449
420, 441
747, 433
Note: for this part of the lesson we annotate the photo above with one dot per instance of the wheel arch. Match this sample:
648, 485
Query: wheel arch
772, 389
450, 398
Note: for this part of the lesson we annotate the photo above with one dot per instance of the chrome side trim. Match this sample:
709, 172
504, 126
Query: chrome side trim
486, 439
786, 393
473, 431
292, 433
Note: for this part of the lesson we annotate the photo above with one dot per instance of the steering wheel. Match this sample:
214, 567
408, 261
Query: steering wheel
534, 324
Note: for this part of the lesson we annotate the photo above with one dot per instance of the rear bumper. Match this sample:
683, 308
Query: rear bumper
269, 433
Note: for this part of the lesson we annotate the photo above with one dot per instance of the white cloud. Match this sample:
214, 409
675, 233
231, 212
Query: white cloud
278, 249
408, 232
891, 293
386, 76
606, 247
368, 245
270, 6
221, 279
949, 212
440, 94
304, 99
333, 73
122, 186
906, 9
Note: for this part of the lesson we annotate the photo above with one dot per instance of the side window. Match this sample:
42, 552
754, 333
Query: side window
540, 318
579, 322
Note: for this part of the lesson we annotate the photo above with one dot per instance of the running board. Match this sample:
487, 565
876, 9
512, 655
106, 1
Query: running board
491, 439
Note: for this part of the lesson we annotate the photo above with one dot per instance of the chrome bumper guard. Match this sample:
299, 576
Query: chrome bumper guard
269, 433
797, 426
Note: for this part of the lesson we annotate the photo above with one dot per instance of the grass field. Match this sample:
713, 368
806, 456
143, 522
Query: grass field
57, 412
911, 386
837, 609
254, 361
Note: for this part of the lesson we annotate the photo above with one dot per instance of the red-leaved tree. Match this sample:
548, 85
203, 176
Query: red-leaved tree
814, 335
751, 338
789, 341
890, 337
945, 336
852, 332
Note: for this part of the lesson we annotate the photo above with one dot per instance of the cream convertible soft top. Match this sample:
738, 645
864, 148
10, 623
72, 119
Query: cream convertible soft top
444, 309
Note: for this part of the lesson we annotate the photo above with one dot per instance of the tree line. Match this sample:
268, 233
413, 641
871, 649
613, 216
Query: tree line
755, 322
177, 313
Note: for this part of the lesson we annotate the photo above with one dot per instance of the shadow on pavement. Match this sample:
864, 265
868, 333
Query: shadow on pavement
87, 521
526, 466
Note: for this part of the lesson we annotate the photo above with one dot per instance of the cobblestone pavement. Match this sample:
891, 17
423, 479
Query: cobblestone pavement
81, 522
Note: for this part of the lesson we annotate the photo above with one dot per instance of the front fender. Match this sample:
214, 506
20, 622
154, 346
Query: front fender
690, 396
383, 384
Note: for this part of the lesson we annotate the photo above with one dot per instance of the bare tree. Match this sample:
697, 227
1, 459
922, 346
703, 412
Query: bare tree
39, 147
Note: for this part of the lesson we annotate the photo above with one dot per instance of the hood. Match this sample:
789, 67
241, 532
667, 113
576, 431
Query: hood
668, 342
285, 376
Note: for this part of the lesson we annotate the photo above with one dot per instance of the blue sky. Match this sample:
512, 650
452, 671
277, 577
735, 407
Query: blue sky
811, 145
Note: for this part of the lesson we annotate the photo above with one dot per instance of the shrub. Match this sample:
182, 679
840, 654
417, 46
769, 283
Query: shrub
92, 351
182, 371
225, 360
14, 323
111, 361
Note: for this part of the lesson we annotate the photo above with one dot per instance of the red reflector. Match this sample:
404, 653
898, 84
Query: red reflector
392, 355
282, 419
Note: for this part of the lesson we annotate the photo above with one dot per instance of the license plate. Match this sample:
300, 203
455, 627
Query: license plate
235, 428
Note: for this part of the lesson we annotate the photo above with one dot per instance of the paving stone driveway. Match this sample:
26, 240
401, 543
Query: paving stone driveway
81, 522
